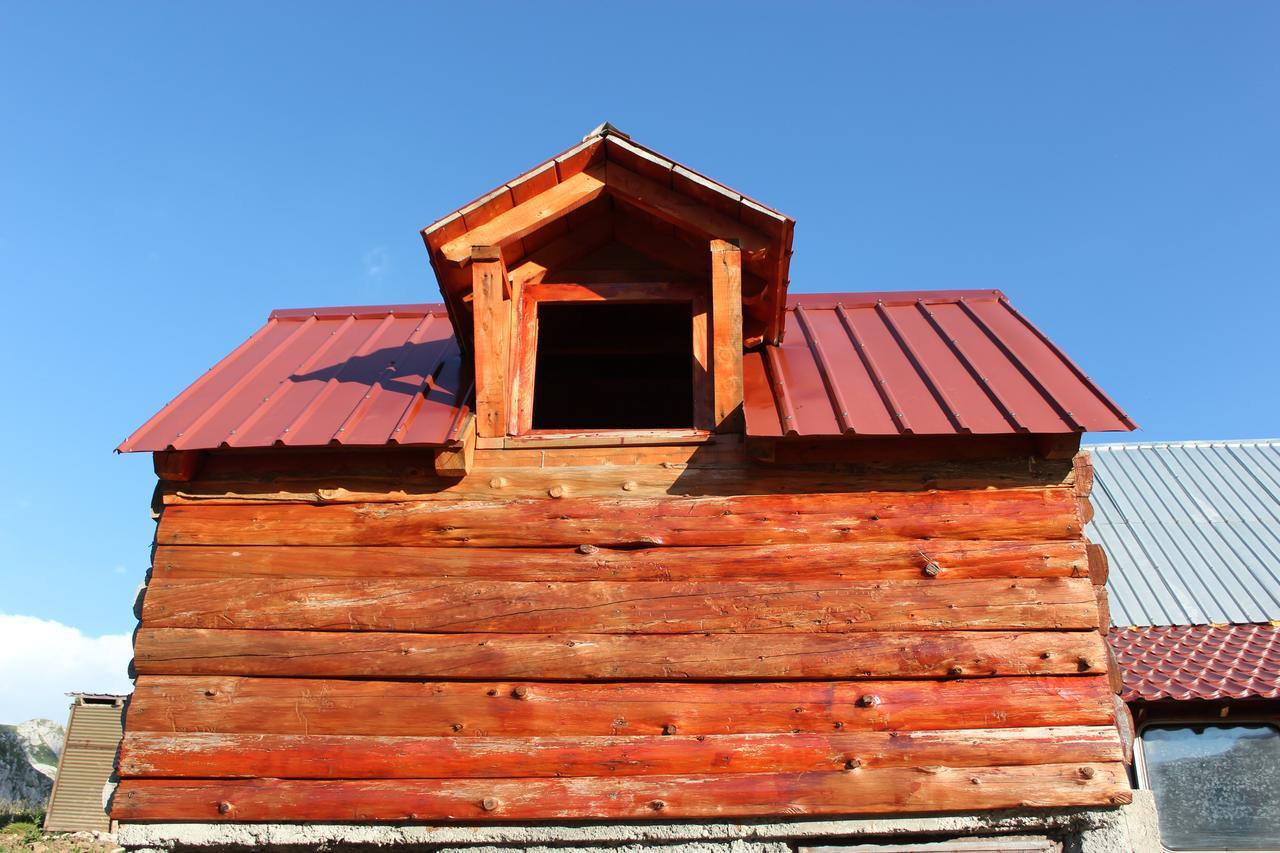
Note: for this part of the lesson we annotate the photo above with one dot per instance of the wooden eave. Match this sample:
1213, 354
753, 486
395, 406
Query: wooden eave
549, 201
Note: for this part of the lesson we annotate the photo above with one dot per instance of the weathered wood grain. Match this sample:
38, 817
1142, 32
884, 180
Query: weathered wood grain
209, 755
862, 791
748, 520
675, 479
324, 654
852, 561
613, 607
519, 709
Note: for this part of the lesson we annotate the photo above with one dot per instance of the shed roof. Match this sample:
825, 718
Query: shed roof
1191, 530
869, 364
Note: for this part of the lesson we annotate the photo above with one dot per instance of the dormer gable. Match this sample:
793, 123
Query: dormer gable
606, 225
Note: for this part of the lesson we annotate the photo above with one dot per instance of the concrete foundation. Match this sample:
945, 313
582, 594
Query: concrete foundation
1127, 829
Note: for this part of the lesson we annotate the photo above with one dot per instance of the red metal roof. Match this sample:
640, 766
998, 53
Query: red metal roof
359, 376
1199, 661
924, 363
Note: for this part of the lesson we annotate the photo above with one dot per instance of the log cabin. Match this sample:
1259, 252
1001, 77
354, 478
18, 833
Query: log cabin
621, 531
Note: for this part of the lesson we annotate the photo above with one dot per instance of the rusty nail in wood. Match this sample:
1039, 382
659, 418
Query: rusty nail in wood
853, 764
1046, 655
1087, 772
869, 701
457, 727
211, 692
956, 670
224, 807
669, 729
489, 804
657, 805
521, 692
556, 491
497, 483
700, 738
931, 569
492, 691
588, 549
1084, 664
629, 486
838, 724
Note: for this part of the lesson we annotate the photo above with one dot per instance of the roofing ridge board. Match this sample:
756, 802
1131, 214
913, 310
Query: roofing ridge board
1112, 446
335, 312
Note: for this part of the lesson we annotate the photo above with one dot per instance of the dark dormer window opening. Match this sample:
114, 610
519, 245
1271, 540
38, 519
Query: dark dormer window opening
606, 366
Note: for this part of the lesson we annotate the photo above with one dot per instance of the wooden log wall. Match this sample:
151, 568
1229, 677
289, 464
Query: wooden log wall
618, 633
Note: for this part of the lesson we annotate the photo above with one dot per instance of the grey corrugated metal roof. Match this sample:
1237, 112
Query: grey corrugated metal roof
1191, 530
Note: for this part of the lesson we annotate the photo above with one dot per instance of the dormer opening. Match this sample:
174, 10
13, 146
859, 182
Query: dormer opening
614, 366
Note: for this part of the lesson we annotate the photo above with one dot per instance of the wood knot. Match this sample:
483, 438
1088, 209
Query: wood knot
457, 727
1087, 772
520, 692
225, 807
869, 701
956, 670
657, 805
211, 692
497, 483
492, 691
1084, 664
588, 549
669, 729
556, 491
489, 803
853, 764
1046, 655
629, 486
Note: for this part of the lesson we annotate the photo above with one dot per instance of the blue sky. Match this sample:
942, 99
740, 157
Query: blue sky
171, 172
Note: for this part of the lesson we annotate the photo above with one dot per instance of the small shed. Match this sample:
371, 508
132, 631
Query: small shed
78, 802
622, 531
1192, 533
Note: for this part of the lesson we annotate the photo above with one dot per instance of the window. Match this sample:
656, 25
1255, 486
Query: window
603, 366
1217, 787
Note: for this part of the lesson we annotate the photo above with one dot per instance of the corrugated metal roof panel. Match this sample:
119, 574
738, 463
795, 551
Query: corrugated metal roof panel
86, 764
1191, 531
1199, 662
352, 376
917, 363
872, 364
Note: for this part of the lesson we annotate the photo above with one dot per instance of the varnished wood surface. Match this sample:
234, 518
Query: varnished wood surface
860, 791
746, 520
231, 704
471, 605
213, 755
190, 651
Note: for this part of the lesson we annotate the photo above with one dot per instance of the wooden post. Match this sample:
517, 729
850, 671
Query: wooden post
492, 320
726, 335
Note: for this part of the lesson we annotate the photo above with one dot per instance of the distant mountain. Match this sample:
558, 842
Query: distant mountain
28, 762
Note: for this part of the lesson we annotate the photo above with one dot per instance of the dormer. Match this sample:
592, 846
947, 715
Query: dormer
611, 289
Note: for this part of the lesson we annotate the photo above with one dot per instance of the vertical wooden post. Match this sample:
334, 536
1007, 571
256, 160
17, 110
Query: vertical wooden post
726, 335
492, 320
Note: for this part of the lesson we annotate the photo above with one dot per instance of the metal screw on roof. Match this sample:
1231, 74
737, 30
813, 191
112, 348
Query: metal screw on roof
286, 429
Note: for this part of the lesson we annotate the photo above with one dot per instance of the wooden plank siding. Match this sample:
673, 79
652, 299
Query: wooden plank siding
674, 635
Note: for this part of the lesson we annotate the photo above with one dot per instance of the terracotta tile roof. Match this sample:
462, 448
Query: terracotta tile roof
923, 363
1199, 661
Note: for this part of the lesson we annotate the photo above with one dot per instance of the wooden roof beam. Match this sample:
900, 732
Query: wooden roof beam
523, 219
563, 250
681, 210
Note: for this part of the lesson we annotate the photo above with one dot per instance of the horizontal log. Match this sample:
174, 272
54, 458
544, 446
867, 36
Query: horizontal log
516, 709
209, 755
861, 791
323, 654
623, 481
801, 561
748, 520
620, 607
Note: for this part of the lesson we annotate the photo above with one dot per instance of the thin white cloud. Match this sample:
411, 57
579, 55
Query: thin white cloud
41, 661
376, 263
